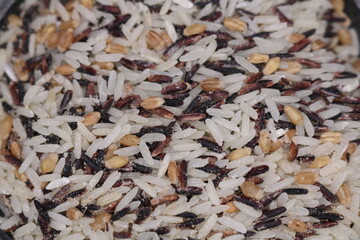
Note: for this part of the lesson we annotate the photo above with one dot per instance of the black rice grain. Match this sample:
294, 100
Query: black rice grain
260, 226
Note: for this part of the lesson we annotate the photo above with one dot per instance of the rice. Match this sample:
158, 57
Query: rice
244, 63
145, 187
30, 158
179, 167
230, 223
146, 153
26, 229
215, 131
279, 185
57, 183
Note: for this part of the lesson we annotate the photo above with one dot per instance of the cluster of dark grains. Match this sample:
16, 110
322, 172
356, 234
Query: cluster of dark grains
326, 219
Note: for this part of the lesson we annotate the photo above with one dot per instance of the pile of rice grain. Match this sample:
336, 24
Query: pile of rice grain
179, 119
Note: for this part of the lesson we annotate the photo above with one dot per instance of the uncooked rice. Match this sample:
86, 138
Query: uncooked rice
179, 119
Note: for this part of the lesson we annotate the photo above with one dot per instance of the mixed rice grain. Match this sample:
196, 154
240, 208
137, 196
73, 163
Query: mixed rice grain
181, 119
